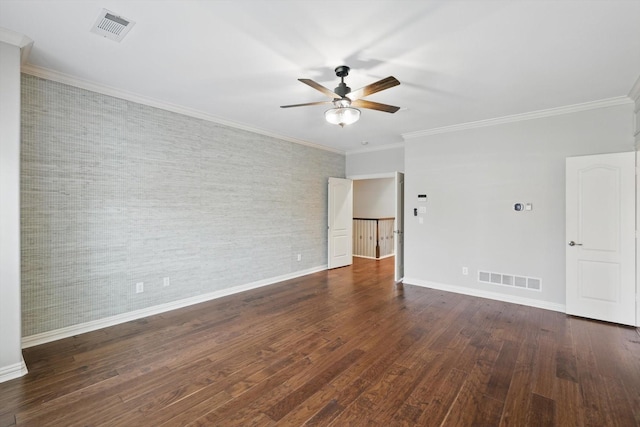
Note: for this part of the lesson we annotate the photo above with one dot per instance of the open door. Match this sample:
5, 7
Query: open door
340, 218
399, 229
600, 227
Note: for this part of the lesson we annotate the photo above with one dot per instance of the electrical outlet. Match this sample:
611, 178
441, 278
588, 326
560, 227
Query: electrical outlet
299, 257
139, 287
165, 281
465, 271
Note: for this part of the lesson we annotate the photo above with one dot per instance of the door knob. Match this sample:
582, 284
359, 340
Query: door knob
572, 243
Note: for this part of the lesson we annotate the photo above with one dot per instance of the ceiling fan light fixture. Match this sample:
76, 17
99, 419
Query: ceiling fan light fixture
342, 116
343, 113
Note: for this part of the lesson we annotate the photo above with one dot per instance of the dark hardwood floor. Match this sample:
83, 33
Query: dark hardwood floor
341, 347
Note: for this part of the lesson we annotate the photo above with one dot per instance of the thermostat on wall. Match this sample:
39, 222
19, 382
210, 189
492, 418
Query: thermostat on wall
519, 207
422, 198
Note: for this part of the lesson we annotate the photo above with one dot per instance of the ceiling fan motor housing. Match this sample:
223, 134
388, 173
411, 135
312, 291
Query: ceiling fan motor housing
342, 71
342, 89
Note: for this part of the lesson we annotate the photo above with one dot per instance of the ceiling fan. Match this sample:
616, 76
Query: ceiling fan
344, 100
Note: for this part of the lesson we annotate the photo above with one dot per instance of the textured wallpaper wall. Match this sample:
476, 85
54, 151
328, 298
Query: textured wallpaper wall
115, 193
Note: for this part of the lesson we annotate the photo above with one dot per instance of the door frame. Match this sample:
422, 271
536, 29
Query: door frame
637, 228
399, 227
391, 175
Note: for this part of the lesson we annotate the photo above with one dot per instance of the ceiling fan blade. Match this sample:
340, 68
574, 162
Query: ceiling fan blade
306, 104
318, 86
362, 103
373, 88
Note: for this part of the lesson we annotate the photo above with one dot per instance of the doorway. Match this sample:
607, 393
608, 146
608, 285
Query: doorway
382, 196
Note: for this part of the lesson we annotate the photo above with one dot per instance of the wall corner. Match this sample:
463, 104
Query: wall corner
11, 56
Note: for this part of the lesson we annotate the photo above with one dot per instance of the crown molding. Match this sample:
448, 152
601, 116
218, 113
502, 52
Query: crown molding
19, 40
58, 77
610, 102
378, 148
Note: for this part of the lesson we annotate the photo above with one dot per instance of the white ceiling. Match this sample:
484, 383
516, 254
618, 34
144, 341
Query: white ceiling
458, 61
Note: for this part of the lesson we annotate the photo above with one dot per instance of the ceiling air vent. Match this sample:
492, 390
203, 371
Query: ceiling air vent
112, 26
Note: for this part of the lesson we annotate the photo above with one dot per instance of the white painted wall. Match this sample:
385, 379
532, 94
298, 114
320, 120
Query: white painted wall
376, 162
473, 177
374, 198
11, 363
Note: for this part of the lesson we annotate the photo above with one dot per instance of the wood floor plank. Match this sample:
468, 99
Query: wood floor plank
293, 399
545, 366
347, 386
502, 371
518, 402
440, 404
570, 407
370, 339
592, 386
403, 342
339, 347
330, 401
280, 385
622, 414
473, 405
543, 411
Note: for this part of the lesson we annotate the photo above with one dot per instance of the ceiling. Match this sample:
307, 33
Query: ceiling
238, 61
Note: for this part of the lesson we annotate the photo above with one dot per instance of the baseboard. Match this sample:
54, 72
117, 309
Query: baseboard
13, 371
69, 331
486, 294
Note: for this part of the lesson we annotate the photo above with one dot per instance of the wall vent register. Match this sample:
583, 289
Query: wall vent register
112, 26
512, 280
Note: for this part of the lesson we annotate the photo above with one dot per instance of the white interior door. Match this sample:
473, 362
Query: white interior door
399, 229
600, 227
340, 222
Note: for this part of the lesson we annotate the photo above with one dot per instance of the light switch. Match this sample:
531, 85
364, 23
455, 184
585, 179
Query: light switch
528, 207
421, 220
